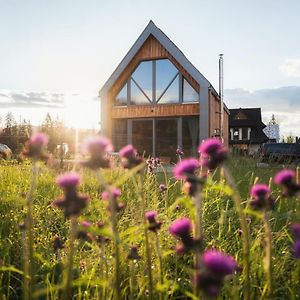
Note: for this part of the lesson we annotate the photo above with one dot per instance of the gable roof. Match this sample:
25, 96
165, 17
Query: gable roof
253, 117
152, 29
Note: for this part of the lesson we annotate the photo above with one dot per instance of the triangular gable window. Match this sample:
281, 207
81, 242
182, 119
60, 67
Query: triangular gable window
121, 98
189, 93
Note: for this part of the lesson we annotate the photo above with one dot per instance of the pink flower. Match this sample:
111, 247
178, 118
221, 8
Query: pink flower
128, 152
284, 177
261, 197
181, 227
39, 139
129, 157
219, 263
259, 190
68, 180
35, 147
186, 168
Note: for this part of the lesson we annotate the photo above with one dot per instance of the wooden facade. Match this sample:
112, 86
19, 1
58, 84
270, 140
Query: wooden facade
205, 110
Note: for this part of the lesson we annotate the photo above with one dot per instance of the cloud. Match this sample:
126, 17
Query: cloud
291, 67
283, 102
10, 99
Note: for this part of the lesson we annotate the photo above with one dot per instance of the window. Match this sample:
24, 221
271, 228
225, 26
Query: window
190, 135
245, 133
235, 134
119, 134
156, 82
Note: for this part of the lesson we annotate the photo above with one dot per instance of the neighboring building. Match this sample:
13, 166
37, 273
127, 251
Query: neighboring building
158, 101
272, 130
246, 130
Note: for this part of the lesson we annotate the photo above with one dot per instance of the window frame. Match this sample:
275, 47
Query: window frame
156, 98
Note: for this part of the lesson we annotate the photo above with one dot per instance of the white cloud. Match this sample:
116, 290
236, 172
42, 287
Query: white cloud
291, 67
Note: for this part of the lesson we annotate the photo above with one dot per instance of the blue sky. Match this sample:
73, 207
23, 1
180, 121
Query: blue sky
55, 55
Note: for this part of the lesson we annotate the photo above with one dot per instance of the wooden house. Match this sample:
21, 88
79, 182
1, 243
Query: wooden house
246, 133
158, 101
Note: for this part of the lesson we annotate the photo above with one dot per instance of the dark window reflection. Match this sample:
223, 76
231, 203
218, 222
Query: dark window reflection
166, 139
190, 136
142, 136
172, 93
189, 94
121, 98
119, 134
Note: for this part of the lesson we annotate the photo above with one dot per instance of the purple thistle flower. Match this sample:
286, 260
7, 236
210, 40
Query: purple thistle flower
162, 188
68, 180
57, 244
35, 147
86, 224
219, 263
207, 282
190, 188
179, 152
98, 148
284, 177
154, 225
39, 139
287, 179
71, 203
182, 228
261, 197
112, 197
129, 157
186, 169
296, 249
213, 153
295, 228
82, 233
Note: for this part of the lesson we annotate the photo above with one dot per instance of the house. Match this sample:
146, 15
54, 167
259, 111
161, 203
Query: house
158, 101
246, 130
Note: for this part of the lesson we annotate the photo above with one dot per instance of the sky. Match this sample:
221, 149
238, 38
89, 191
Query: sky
55, 55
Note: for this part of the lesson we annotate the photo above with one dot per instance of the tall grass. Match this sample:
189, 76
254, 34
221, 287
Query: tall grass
93, 275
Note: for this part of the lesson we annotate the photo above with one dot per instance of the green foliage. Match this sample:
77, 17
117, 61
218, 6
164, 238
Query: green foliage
93, 275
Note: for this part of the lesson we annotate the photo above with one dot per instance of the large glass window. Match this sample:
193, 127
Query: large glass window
190, 135
156, 82
142, 136
119, 134
166, 139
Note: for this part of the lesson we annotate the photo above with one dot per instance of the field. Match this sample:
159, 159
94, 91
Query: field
94, 271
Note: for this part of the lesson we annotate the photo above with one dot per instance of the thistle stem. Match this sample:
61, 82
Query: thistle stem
29, 253
69, 270
158, 253
245, 232
114, 224
268, 253
147, 245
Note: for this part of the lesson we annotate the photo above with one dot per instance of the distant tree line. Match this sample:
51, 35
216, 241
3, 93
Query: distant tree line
15, 133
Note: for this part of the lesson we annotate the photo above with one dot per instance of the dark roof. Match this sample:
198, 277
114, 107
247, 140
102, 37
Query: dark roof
250, 117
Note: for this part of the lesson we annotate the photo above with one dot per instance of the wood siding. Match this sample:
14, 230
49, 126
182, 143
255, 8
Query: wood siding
151, 49
149, 111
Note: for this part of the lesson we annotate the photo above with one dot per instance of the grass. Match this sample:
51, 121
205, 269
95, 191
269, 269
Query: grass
93, 275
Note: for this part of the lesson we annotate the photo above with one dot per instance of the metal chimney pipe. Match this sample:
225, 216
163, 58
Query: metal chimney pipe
221, 94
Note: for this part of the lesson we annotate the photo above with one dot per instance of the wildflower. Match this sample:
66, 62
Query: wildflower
152, 164
190, 188
71, 203
154, 225
162, 188
129, 157
100, 238
82, 232
296, 230
261, 197
287, 179
215, 267
112, 195
133, 253
57, 244
98, 148
213, 153
182, 228
35, 147
296, 249
179, 152
186, 169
